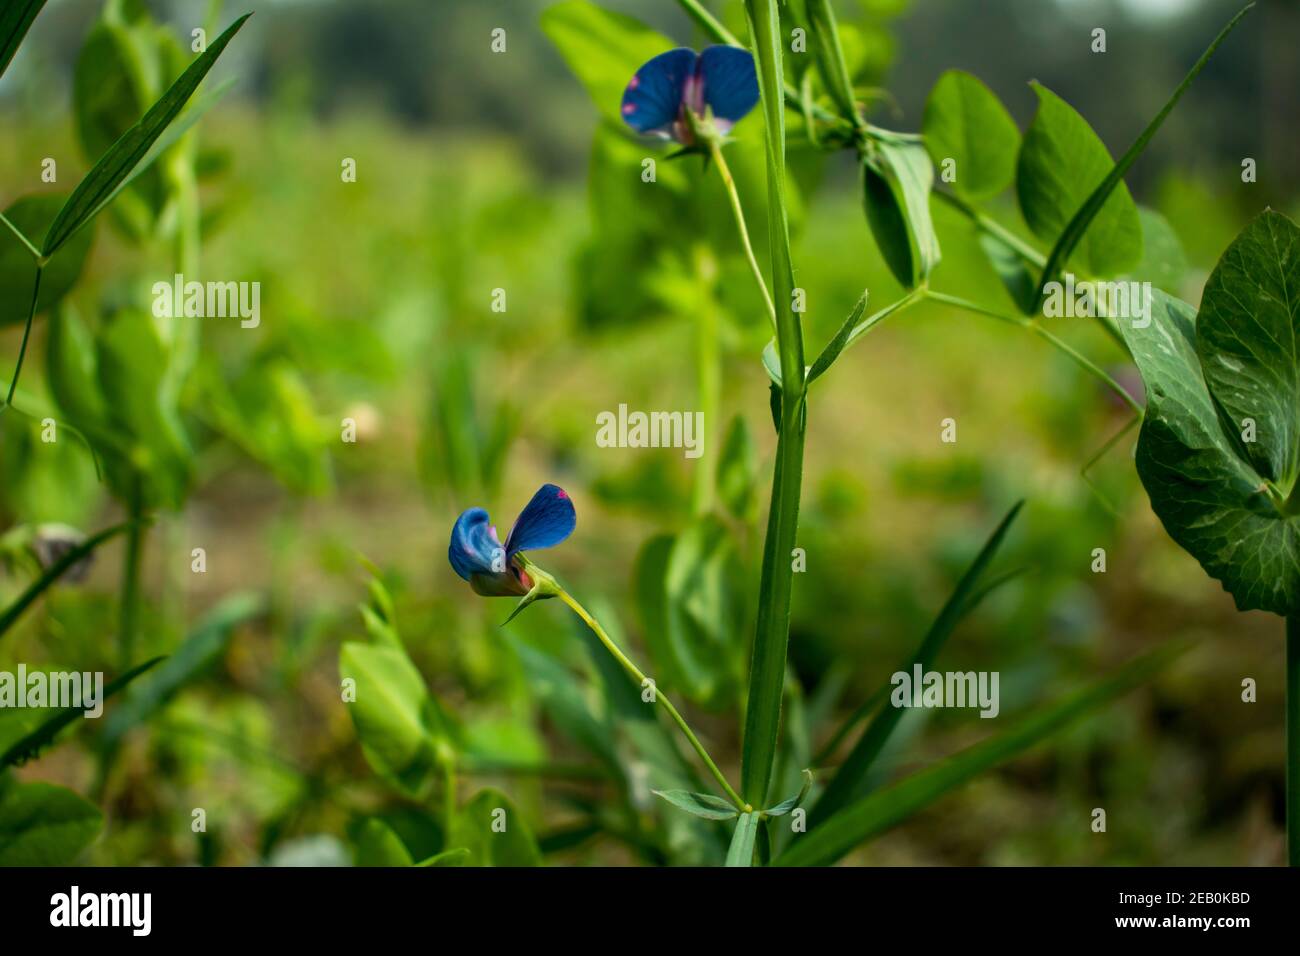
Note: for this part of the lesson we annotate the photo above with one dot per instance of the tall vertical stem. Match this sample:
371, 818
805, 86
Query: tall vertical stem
709, 379
1293, 740
768, 660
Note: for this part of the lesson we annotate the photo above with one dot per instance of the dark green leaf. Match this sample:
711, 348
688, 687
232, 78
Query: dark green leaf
44, 825
705, 805
99, 185
871, 815
1227, 501
1062, 163
966, 123
896, 181
15, 20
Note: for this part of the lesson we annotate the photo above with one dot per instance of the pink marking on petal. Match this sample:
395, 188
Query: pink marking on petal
635, 82
562, 494
629, 109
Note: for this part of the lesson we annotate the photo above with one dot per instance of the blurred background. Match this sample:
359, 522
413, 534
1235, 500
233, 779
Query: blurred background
477, 171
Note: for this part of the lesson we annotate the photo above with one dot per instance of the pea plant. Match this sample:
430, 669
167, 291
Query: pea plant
1217, 451
115, 384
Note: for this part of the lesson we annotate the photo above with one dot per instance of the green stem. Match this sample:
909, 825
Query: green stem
994, 228
1034, 327
27, 331
36, 253
715, 150
128, 609
1293, 740
659, 696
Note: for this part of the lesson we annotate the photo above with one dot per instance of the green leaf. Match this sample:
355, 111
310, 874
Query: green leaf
1062, 163
1164, 261
99, 185
851, 779
837, 344
965, 122
44, 825
199, 652
53, 573
564, 700
705, 805
378, 845
395, 717
494, 832
32, 215
1248, 341
896, 181
603, 49
31, 744
871, 815
1229, 503
738, 471
741, 851
1100, 202
785, 806
15, 20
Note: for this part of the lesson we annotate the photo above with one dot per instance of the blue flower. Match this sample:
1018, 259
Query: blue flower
676, 94
493, 569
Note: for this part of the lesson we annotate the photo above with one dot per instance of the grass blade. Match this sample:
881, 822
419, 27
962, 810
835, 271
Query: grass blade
15, 20
877, 812
847, 784
1079, 224
126, 154
31, 744
54, 572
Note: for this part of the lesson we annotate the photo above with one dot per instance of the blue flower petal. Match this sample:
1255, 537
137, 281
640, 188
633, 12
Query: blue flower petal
730, 82
474, 548
545, 521
653, 98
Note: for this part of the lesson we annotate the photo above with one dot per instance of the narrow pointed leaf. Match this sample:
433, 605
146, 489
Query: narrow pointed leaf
785, 806
127, 153
31, 744
836, 345
827, 842
704, 805
54, 572
15, 20
850, 780
1078, 225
